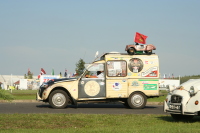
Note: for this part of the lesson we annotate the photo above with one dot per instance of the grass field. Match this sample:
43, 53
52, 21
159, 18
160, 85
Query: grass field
85, 123
89, 123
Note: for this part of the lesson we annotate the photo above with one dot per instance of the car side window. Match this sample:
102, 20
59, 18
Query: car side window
116, 68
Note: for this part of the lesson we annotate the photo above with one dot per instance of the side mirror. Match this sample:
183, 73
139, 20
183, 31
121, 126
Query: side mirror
96, 55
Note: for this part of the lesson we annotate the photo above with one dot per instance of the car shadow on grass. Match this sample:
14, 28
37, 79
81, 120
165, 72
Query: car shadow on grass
168, 118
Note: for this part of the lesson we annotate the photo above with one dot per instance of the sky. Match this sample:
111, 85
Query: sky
56, 34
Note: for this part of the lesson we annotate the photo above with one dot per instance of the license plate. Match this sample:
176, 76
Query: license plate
175, 107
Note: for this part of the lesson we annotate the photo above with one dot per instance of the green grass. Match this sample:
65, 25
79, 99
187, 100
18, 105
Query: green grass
157, 99
161, 98
86, 123
22, 94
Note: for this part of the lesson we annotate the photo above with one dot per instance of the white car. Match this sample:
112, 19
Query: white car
183, 103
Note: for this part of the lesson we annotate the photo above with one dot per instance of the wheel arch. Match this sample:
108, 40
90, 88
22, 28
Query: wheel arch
137, 92
72, 100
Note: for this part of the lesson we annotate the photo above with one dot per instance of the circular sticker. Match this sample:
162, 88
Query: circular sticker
92, 88
116, 86
135, 65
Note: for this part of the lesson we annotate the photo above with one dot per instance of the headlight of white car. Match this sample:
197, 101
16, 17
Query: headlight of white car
192, 91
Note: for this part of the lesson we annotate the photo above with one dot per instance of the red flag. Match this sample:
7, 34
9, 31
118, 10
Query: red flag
42, 72
29, 71
140, 38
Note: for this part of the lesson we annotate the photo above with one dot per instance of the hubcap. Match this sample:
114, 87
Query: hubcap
59, 99
137, 100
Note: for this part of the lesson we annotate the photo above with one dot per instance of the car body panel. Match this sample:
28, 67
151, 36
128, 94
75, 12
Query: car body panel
124, 75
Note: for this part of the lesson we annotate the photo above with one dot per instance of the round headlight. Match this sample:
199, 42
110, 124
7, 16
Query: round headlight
44, 85
192, 90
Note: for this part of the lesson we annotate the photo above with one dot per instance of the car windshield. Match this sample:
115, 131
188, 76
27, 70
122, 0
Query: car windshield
92, 70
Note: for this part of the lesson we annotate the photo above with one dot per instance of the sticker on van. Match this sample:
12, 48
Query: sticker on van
150, 86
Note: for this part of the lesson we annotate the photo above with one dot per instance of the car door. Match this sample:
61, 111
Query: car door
92, 87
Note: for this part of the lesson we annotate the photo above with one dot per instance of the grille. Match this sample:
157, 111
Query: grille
176, 99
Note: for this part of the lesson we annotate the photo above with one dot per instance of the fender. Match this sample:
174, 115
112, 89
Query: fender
60, 84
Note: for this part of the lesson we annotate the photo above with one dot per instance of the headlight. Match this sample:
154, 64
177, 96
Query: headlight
192, 91
45, 85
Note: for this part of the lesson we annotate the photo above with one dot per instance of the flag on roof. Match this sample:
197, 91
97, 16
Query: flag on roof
140, 38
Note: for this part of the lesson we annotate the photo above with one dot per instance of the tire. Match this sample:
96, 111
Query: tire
148, 52
137, 100
179, 117
131, 51
58, 99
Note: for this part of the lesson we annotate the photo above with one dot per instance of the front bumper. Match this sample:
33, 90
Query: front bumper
38, 97
181, 111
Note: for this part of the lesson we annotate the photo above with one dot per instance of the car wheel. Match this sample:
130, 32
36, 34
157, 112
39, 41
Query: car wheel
178, 117
131, 51
137, 100
58, 99
148, 52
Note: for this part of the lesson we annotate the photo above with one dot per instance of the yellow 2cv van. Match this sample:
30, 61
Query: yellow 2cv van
129, 79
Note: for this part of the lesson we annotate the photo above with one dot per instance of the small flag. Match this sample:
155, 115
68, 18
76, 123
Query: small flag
65, 75
164, 76
41, 73
140, 38
29, 71
52, 73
